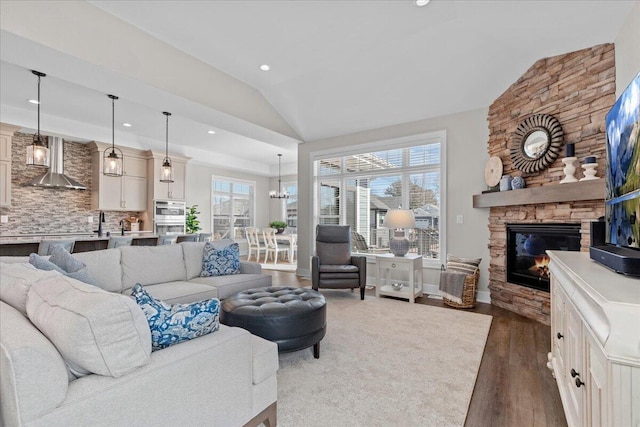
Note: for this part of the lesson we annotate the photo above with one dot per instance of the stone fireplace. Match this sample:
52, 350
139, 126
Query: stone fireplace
577, 88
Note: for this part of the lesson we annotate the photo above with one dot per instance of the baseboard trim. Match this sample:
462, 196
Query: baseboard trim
481, 296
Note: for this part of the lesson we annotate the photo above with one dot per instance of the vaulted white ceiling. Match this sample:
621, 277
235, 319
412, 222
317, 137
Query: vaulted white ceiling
337, 67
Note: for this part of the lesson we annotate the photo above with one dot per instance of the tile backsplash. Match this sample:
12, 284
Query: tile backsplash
37, 210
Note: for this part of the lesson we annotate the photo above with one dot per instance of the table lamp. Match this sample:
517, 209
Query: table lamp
399, 219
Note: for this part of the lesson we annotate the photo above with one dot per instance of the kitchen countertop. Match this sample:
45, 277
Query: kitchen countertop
37, 238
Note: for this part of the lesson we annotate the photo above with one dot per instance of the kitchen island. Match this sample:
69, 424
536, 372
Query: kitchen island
23, 245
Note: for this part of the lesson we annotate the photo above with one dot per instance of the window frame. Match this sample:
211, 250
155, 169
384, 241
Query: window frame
383, 145
232, 181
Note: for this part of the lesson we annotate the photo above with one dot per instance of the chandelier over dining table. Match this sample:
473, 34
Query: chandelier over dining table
279, 193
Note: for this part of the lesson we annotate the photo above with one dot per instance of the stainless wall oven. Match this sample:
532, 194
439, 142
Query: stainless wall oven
169, 217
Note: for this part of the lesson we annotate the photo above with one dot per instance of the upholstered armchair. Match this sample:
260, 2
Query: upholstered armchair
332, 266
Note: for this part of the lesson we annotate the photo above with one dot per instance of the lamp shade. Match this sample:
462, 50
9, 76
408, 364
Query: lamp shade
399, 218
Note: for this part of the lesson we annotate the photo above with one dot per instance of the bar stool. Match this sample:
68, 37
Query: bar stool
116, 242
187, 238
167, 240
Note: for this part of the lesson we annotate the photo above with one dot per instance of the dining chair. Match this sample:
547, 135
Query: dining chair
253, 242
271, 245
205, 237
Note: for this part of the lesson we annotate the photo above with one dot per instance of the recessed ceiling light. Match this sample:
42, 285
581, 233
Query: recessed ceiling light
265, 67
127, 125
34, 101
422, 2
211, 132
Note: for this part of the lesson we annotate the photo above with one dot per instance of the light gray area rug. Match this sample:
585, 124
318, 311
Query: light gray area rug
384, 362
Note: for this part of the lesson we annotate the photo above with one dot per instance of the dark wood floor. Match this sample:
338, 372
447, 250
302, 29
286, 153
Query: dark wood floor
514, 386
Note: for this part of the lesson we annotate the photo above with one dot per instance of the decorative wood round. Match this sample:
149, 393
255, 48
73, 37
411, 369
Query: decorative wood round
536, 143
493, 171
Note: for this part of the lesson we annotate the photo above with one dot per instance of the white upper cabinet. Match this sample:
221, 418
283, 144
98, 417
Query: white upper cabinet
162, 190
123, 193
6, 134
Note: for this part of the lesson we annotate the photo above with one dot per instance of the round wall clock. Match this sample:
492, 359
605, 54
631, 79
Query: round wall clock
493, 171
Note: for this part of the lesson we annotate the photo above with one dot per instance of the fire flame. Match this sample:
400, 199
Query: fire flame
541, 267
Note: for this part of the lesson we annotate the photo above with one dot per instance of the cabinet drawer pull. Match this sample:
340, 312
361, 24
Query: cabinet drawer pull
559, 335
393, 265
579, 383
574, 373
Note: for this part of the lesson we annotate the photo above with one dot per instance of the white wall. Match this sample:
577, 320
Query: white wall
467, 137
627, 50
199, 192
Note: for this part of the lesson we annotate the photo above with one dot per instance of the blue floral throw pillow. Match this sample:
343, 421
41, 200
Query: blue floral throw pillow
220, 262
174, 323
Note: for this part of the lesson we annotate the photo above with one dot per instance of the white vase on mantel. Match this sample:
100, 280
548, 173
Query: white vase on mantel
569, 170
589, 171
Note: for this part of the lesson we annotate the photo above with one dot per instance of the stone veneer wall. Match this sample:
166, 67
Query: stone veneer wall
578, 88
36, 210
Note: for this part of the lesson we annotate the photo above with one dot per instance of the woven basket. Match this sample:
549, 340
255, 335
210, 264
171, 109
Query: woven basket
468, 293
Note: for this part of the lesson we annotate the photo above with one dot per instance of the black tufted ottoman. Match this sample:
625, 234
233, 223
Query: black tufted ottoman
293, 318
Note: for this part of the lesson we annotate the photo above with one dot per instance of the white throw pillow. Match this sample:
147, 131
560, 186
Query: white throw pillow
95, 331
15, 281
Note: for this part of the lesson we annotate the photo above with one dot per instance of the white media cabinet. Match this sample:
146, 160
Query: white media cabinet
595, 341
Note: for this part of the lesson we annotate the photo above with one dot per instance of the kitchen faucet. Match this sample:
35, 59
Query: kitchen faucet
122, 227
100, 221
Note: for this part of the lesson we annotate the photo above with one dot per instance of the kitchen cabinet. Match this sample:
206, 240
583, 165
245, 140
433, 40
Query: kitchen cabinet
6, 135
119, 193
595, 341
162, 190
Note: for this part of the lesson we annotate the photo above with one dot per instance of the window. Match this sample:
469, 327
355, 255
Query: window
233, 207
292, 204
358, 188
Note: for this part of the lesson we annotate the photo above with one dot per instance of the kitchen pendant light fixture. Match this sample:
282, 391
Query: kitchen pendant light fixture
38, 152
166, 172
112, 157
279, 194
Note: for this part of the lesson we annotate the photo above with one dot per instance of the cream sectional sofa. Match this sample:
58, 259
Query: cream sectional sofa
226, 378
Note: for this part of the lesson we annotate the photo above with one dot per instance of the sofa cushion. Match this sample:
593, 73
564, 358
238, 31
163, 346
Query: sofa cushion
265, 360
95, 331
72, 267
104, 267
192, 258
46, 246
173, 323
231, 285
149, 265
220, 261
34, 376
43, 264
15, 281
180, 292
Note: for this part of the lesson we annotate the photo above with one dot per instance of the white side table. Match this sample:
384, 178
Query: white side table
388, 263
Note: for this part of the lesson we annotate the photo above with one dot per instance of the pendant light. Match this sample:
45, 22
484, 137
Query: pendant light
112, 157
38, 152
166, 172
279, 194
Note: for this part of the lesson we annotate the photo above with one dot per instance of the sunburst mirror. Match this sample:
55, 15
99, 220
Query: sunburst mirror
536, 143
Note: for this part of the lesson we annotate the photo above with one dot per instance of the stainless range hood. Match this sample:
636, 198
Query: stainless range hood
55, 177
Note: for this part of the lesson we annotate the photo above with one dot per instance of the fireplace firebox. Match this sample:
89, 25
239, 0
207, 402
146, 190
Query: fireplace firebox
527, 261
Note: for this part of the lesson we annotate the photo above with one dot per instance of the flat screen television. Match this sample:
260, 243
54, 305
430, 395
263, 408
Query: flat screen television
621, 250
